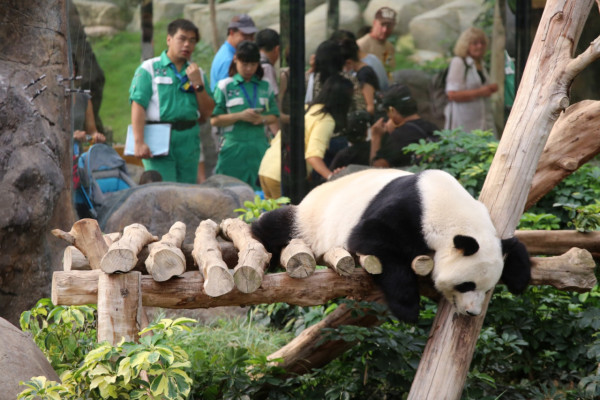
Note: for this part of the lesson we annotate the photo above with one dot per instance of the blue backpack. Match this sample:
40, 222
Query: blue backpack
102, 172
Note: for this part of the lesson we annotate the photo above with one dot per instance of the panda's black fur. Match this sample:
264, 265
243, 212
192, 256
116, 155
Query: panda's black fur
391, 226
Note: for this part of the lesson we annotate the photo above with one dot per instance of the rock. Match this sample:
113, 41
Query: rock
406, 10
450, 19
199, 14
315, 24
102, 13
20, 360
101, 30
158, 206
35, 161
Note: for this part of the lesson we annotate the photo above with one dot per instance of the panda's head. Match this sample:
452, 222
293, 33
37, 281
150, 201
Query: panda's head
465, 270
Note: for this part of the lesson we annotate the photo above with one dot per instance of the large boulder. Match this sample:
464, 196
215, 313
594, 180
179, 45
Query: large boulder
35, 160
438, 29
315, 24
20, 360
158, 206
103, 13
406, 10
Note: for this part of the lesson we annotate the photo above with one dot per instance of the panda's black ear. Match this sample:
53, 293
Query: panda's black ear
467, 244
517, 265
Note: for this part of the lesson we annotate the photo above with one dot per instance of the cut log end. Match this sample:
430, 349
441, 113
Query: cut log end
247, 279
170, 265
118, 260
422, 265
371, 264
301, 265
218, 281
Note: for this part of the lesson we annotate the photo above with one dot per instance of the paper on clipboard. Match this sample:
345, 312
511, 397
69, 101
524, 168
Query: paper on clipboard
156, 136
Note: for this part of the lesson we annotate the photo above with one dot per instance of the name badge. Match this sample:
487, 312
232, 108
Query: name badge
163, 80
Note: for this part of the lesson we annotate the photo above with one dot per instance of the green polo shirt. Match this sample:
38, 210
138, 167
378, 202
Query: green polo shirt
162, 97
230, 98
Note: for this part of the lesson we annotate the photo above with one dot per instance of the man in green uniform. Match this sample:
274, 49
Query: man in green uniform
171, 89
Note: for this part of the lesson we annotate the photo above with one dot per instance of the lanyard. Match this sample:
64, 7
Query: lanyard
182, 79
255, 96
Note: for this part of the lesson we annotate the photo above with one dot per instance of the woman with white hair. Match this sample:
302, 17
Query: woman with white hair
468, 85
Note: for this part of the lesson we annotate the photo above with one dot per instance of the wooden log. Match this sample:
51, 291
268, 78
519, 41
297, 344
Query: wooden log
308, 350
297, 259
339, 260
572, 271
542, 95
74, 259
79, 287
422, 265
122, 255
186, 292
218, 280
541, 242
253, 258
165, 259
573, 141
371, 264
86, 236
119, 306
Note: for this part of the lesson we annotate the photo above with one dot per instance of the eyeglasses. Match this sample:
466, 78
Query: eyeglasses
185, 39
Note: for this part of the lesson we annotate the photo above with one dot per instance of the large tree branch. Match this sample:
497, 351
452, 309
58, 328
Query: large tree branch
541, 97
573, 141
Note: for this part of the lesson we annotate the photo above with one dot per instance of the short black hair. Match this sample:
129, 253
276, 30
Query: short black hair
342, 34
267, 39
247, 51
399, 97
184, 25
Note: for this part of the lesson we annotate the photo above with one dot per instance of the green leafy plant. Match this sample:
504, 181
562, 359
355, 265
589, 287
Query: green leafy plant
253, 210
531, 221
152, 368
64, 334
583, 218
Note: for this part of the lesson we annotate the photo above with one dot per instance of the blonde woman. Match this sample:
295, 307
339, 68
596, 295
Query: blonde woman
468, 85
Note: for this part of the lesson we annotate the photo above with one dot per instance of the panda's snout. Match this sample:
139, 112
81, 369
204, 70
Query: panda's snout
472, 313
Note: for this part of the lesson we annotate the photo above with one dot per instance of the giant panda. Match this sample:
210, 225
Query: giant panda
396, 216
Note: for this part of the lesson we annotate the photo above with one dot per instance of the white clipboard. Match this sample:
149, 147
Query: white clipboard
156, 136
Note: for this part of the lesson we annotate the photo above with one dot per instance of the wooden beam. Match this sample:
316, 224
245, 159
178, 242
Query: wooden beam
80, 287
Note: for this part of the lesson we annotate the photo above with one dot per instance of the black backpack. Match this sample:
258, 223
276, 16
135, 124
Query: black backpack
437, 92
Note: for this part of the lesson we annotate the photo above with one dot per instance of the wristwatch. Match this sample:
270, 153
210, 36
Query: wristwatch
198, 88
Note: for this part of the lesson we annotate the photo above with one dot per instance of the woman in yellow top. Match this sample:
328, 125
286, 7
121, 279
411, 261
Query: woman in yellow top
325, 114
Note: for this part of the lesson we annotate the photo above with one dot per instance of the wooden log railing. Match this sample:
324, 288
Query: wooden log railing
120, 297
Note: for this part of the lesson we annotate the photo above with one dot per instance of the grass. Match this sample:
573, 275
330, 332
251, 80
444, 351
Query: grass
119, 56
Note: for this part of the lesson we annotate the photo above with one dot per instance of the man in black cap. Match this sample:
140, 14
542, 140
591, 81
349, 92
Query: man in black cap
404, 127
239, 29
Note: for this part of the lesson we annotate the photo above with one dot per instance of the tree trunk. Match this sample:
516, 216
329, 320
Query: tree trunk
541, 97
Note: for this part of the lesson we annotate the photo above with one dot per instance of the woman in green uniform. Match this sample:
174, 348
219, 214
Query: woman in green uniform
244, 105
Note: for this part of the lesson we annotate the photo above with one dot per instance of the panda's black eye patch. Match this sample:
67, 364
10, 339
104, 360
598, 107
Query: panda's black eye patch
465, 287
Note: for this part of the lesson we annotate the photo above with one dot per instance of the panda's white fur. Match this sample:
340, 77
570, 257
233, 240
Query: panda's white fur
396, 216
328, 213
